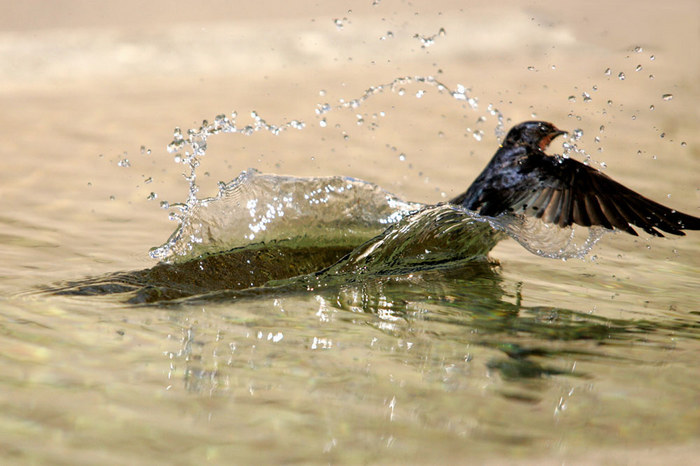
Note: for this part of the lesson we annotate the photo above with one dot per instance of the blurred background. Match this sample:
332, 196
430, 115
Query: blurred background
85, 85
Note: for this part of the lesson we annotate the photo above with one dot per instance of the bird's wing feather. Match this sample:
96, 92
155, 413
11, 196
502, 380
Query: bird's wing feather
567, 191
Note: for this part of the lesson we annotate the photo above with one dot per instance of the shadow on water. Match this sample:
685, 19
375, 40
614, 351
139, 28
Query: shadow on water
429, 270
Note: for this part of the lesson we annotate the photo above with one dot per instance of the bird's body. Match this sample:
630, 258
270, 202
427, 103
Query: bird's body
521, 179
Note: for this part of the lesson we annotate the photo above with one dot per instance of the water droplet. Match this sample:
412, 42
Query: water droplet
164, 205
586, 97
651, 107
322, 92
638, 68
651, 76
683, 144
152, 196
608, 71
124, 163
478, 135
621, 76
667, 97
402, 156
638, 49
572, 98
148, 180
531, 68
323, 123
338, 23
420, 94
595, 87
596, 139
603, 165
602, 128
662, 135
89, 183
652, 57
577, 134
610, 102
554, 67
111, 198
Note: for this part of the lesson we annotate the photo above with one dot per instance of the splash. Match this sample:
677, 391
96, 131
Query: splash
548, 240
262, 208
256, 207
338, 211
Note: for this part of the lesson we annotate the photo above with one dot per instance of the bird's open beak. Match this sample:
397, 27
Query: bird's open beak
545, 141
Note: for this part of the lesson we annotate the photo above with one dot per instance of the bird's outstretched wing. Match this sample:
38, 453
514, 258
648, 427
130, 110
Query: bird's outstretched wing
565, 191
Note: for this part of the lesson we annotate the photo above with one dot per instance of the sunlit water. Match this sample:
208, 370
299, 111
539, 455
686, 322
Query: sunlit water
323, 319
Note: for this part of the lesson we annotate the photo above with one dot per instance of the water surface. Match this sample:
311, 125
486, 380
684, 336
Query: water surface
497, 356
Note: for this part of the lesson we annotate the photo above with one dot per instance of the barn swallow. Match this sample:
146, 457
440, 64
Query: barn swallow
521, 179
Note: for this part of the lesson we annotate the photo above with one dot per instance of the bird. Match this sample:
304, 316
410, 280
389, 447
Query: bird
521, 179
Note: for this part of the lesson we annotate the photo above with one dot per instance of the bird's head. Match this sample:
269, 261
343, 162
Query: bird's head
536, 134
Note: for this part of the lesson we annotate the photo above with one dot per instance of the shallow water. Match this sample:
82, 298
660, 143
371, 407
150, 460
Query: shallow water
507, 358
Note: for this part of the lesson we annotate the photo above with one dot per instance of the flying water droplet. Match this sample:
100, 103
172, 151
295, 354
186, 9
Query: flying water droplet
572, 98
152, 196
667, 97
621, 76
577, 134
638, 49
638, 68
651, 107
124, 163
586, 97
608, 71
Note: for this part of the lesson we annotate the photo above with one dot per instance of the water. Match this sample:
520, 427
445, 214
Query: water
397, 332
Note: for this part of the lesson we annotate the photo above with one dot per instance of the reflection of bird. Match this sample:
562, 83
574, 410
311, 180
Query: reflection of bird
522, 179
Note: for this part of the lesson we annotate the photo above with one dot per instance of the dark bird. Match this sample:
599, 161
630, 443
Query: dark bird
521, 179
